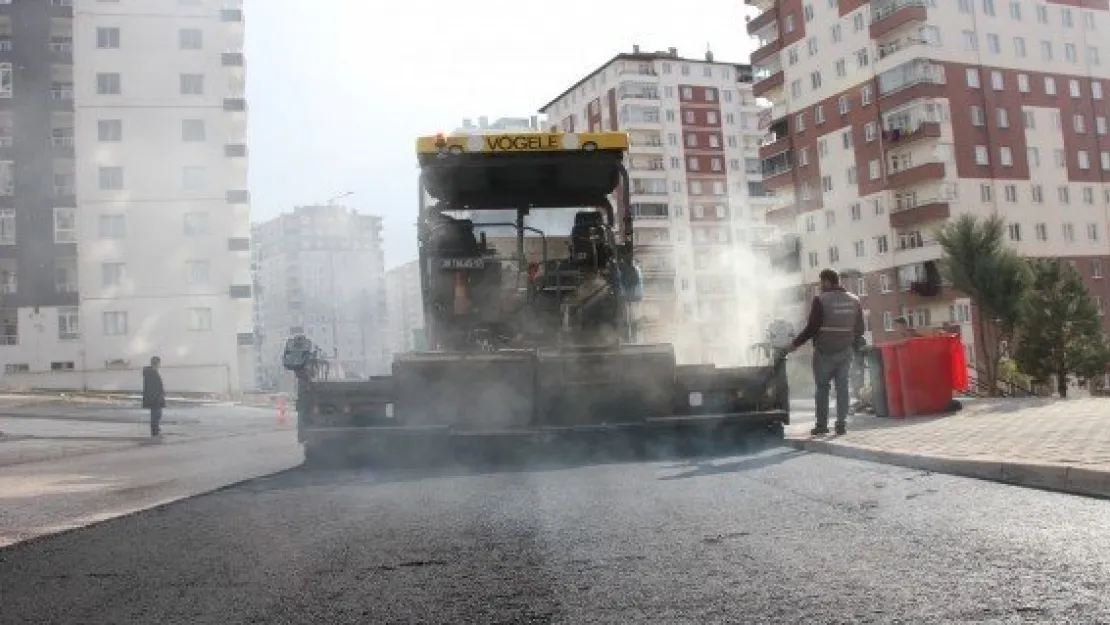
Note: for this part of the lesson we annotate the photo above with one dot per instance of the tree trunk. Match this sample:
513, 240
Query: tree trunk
1062, 384
990, 358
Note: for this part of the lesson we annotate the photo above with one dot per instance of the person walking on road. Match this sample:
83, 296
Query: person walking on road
836, 327
154, 396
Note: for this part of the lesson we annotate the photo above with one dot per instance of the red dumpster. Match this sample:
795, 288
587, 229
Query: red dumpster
960, 381
892, 378
926, 374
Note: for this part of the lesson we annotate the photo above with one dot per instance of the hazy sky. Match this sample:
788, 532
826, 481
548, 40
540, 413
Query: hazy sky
340, 89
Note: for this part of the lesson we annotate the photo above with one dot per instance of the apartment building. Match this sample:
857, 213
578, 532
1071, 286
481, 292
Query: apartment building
889, 117
406, 308
321, 273
697, 196
124, 215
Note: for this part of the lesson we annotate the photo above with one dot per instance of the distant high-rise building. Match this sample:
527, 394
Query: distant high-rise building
502, 124
124, 214
406, 307
697, 197
320, 271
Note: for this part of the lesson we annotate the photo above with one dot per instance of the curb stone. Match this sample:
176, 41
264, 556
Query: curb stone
1064, 478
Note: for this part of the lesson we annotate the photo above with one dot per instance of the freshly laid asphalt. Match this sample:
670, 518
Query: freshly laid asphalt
782, 536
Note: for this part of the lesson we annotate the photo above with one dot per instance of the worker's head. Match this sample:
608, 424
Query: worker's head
830, 279
155, 362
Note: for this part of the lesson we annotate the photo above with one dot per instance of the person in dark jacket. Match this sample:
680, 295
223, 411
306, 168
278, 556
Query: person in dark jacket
154, 396
836, 327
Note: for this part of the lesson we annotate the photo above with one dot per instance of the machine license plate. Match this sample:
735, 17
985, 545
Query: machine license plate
462, 263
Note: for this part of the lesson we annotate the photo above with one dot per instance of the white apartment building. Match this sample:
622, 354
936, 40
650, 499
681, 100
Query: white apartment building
406, 308
696, 193
889, 117
321, 273
124, 231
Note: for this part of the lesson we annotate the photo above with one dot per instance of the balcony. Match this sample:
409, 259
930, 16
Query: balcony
638, 91
768, 17
918, 78
893, 14
913, 213
773, 45
653, 165
642, 69
62, 142
651, 212
903, 135
915, 174
781, 215
61, 50
61, 8
61, 97
646, 144
776, 169
777, 140
768, 82
768, 116
888, 49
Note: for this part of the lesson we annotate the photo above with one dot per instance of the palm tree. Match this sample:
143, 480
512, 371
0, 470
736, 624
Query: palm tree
979, 265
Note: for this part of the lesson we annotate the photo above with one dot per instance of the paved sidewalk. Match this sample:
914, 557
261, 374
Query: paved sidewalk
1047, 443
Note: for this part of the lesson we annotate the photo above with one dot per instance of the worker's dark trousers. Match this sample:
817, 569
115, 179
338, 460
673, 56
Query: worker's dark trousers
834, 368
155, 421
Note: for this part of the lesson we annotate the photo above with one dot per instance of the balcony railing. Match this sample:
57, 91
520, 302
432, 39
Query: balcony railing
883, 10
917, 71
778, 164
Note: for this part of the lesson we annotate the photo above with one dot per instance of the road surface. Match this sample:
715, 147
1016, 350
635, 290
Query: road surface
777, 537
41, 498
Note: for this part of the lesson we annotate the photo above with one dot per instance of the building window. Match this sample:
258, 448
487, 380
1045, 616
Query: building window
5, 80
111, 178
1014, 231
7, 178
69, 324
981, 155
65, 225
190, 39
7, 226
192, 84
108, 84
193, 130
115, 323
200, 319
107, 38
1041, 231
111, 274
113, 226
109, 130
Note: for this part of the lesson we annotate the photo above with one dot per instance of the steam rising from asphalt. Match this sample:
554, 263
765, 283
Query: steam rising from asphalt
722, 328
